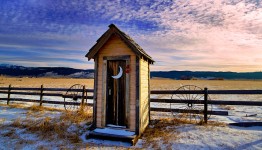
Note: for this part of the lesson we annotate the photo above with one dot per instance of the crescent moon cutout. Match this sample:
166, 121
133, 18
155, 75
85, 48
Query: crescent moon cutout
119, 74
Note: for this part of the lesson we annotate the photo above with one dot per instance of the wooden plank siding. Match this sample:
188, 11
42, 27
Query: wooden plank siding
115, 47
144, 99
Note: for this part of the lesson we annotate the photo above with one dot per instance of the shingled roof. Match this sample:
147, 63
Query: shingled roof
127, 39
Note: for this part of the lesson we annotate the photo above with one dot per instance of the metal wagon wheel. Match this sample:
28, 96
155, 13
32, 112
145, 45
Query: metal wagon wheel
188, 111
73, 97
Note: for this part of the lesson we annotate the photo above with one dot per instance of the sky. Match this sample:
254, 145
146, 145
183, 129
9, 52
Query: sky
196, 35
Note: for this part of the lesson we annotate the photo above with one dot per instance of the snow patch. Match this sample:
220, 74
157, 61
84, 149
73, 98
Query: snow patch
72, 128
115, 131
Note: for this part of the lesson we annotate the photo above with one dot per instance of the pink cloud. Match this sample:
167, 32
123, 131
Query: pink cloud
228, 37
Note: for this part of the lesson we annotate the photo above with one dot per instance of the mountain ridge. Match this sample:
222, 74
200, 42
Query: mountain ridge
60, 72
210, 75
21, 71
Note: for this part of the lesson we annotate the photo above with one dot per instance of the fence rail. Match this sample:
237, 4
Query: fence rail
213, 102
209, 92
45, 89
205, 101
42, 92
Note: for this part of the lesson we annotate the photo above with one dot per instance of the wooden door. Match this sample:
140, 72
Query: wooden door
116, 90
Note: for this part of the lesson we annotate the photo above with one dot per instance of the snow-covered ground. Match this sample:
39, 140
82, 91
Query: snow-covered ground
180, 136
236, 113
17, 138
209, 137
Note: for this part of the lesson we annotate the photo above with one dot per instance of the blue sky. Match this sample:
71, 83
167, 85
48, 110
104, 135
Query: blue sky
210, 35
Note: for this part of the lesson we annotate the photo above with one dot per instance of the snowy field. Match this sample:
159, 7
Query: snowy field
159, 135
178, 136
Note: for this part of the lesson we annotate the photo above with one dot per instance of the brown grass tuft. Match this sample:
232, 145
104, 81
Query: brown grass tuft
15, 105
10, 133
77, 116
47, 128
163, 129
227, 107
201, 122
53, 128
215, 124
37, 108
18, 123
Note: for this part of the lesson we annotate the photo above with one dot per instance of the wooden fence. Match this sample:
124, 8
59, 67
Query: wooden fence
58, 92
42, 92
205, 102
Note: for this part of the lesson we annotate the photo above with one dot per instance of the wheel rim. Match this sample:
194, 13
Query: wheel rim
73, 95
185, 109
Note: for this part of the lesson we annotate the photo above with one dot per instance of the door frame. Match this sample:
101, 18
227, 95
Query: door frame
104, 87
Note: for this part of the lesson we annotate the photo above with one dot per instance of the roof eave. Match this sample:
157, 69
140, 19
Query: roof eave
103, 39
99, 43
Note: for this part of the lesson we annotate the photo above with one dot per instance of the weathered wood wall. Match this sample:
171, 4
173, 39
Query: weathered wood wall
115, 47
144, 93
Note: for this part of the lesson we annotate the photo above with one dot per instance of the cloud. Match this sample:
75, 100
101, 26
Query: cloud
43, 61
179, 35
216, 33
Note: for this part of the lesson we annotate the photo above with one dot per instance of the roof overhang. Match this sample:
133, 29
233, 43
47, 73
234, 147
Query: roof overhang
113, 30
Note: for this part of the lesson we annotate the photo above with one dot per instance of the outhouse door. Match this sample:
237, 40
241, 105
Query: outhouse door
116, 90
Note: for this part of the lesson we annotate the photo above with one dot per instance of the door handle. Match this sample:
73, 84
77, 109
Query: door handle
109, 91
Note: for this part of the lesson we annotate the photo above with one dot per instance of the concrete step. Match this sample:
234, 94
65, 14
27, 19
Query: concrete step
113, 135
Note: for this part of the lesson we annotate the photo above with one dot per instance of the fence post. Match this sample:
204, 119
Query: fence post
9, 93
83, 95
205, 104
41, 94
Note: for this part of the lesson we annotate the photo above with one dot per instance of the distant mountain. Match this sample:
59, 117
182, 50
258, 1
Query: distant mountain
21, 71
188, 75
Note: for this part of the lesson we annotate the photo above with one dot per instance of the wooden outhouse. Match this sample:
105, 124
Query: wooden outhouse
121, 89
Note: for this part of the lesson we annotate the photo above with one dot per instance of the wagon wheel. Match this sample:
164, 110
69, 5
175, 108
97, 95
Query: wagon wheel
188, 111
73, 97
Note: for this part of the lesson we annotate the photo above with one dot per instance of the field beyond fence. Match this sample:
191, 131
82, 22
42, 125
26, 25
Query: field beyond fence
83, 97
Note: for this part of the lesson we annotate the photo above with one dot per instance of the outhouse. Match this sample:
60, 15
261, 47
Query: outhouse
121, 87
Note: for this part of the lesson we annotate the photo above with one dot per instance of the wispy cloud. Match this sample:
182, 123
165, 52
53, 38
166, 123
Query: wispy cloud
211, 32
180, 35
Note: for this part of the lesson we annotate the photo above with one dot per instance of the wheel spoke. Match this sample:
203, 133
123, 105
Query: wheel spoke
72, 96
190, 108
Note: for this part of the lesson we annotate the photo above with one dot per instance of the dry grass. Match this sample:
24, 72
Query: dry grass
227, 107
47, 128
13, 135
14, 105
215, 124
210, 84
55, 128
47, 82
2, 120
155, 83
37, 108
182, 120
77, 117
163, 129
10, 133
34, 110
